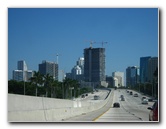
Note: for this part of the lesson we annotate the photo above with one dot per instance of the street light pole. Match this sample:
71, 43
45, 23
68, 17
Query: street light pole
71, 88
24, 82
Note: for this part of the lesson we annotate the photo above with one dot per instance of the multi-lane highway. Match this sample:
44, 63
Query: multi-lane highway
131, 110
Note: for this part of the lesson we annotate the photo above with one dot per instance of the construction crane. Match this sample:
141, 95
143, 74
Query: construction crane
102, 43
92, 42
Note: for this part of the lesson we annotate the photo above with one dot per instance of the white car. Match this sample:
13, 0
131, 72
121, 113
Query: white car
144, 101
135, 95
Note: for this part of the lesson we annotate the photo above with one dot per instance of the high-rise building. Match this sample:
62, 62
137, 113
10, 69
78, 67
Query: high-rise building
132, 76
50, 68
144, 69
110, 81
94, 65
120, 77
21, 65
18, 75
22, 73
152, 66
80, 63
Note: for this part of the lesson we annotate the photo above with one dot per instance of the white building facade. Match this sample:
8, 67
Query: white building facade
22, 73
120, 77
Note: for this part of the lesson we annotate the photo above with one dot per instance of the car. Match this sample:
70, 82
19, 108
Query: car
143, 98
127, 91
96, 97
122, 99
83, 96
116, 105
153, 114
121, 96
150, 99
135, 95
144, 101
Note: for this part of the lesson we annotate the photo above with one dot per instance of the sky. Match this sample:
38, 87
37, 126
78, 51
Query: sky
37, 34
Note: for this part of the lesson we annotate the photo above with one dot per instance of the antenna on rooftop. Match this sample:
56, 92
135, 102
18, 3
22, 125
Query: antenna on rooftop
57, 58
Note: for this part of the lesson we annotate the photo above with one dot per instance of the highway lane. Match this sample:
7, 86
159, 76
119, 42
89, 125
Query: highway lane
90, 116
131, 110
101, 93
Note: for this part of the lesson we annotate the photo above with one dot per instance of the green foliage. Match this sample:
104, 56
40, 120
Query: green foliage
46, 86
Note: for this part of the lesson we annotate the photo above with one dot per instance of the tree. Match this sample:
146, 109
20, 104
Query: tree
48, 81
37, 79
155, 82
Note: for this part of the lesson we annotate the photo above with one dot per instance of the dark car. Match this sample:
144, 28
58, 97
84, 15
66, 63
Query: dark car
83, 96
143, 98
116, 105
121, 96
153, 115
131, 93
122, 99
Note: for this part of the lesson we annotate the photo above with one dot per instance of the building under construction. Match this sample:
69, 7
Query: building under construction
94, 66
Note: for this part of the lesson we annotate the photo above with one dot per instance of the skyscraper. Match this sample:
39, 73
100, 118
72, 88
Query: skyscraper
80, 63
94, 65
18, 75
50, 68
22, 73
120, 77
21, 65
144, 69
152, 66
132, 76
78, 70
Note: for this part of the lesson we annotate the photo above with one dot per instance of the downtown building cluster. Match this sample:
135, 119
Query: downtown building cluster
144, 73
90, 71
46, 67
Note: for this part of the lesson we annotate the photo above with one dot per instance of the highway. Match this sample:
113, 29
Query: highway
131, 110
101, 93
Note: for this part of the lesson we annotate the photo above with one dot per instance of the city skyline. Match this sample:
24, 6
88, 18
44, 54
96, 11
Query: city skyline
39, 34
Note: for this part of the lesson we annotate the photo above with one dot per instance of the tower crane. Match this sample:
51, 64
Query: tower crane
102, 43
92, 42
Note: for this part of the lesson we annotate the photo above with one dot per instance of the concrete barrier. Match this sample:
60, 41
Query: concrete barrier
39, 109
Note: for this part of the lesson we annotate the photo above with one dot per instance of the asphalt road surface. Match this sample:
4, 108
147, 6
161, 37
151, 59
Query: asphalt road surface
131, 110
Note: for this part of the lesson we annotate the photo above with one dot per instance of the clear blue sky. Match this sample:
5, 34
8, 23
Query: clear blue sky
38, 34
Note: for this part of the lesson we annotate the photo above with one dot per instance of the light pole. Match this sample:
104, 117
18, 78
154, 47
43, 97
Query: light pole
24, 82
71, 88
62, 71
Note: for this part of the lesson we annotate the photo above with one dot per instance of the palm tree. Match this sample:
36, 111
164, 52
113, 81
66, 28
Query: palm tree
69, 83
48, 81
37, 79
55, 87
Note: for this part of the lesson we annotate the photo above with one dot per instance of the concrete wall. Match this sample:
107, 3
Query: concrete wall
35, 109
